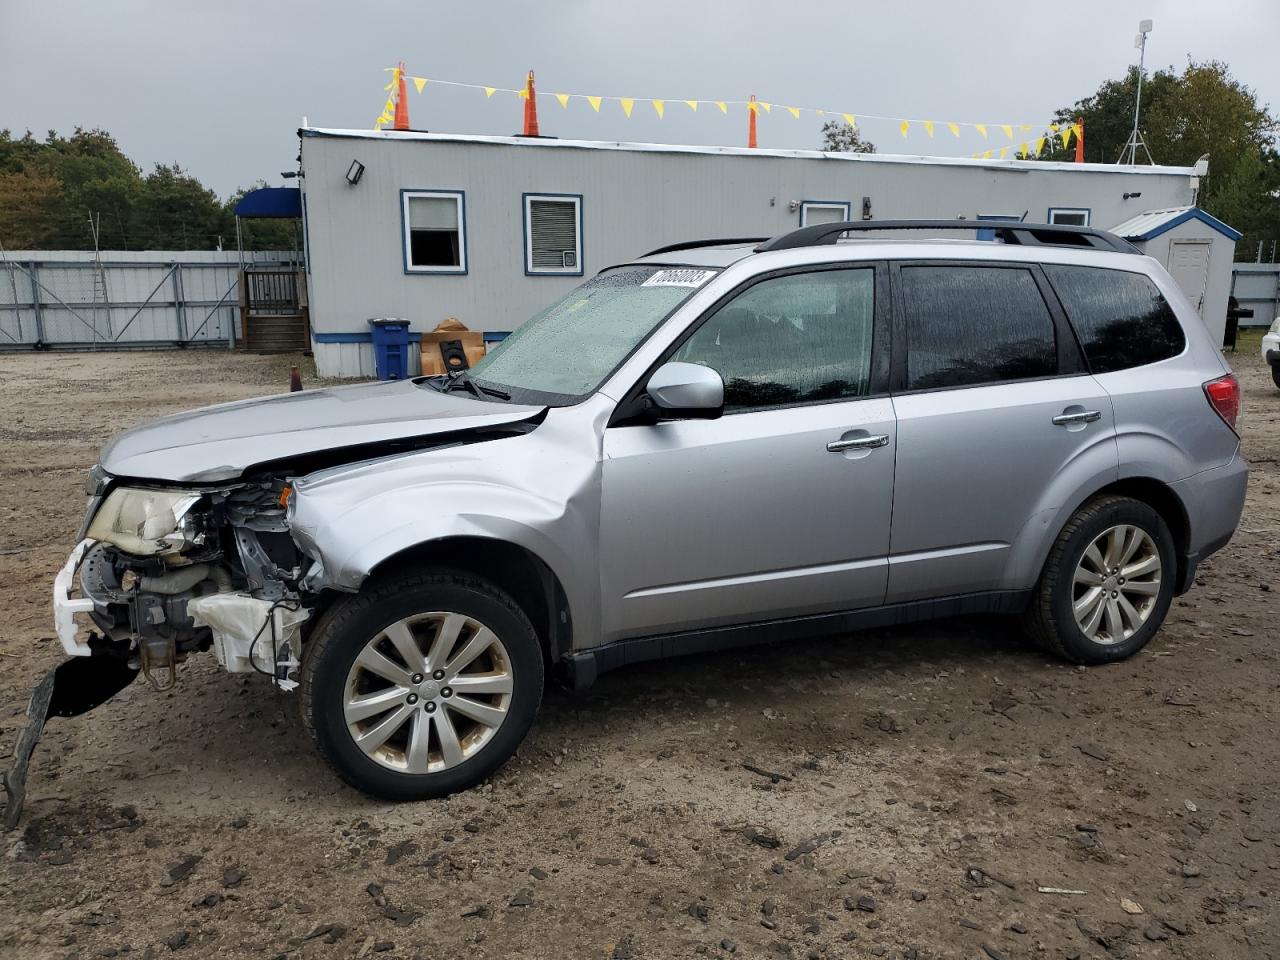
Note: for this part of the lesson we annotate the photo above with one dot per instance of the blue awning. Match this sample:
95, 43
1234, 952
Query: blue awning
271, 203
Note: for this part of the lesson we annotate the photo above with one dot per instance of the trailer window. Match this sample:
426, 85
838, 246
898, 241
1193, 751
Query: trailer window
813, 212
553, 234
1069, 216
434, 231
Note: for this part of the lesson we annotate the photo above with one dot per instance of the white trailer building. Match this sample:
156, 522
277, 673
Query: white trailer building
492, 229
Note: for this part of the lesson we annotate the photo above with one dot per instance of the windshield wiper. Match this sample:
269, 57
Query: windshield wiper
462, 378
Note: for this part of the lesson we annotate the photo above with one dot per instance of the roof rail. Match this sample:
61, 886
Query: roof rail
1007, 231
692, 244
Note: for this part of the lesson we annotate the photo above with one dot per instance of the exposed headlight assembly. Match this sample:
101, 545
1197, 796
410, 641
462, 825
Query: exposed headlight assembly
146, 522
96, 481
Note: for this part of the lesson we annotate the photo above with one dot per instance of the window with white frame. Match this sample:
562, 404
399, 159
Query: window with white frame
553, 234
823, 211
435, 238
1069, 216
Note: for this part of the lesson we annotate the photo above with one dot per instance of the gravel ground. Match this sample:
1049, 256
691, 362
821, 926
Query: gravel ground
926, 781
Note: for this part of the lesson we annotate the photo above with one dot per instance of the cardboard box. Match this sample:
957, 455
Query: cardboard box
472, 341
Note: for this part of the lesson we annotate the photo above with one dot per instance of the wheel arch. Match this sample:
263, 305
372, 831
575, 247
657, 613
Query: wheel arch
1154, 493
530, 580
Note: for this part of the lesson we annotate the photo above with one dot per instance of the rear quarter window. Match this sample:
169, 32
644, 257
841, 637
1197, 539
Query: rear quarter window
1121, 318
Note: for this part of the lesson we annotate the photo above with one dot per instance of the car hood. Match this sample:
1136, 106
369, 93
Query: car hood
219, 443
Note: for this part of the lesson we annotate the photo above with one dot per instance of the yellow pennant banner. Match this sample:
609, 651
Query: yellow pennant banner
1048, 132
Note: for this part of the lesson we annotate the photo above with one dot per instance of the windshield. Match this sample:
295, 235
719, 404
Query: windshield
569, 348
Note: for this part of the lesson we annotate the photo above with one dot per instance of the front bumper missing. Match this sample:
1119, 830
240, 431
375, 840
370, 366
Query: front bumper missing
65, 607
96, 672
76, 686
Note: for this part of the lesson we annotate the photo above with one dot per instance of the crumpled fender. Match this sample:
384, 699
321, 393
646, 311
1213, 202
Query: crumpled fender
539, 491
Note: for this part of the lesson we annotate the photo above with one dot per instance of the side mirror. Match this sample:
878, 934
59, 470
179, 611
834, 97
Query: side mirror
686, 391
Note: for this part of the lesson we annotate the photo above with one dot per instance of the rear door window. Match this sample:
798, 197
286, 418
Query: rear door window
968, 325
1121, 318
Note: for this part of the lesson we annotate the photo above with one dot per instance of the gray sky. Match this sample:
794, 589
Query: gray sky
220, 87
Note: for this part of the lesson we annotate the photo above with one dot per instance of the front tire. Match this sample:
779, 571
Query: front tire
1275, 374
421, 685
1107, 584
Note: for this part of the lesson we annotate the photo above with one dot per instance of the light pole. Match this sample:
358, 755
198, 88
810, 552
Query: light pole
1135, 138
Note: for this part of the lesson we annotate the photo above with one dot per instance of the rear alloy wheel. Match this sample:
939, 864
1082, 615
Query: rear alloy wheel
1117, 583
422, 685
1107, 584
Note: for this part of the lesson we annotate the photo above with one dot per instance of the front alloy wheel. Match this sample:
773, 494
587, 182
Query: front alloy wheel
422, 684
428, 692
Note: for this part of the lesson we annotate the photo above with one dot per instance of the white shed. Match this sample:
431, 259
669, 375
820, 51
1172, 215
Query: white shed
1197, 249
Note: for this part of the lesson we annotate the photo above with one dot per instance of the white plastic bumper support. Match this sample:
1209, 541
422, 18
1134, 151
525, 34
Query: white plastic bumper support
65, 608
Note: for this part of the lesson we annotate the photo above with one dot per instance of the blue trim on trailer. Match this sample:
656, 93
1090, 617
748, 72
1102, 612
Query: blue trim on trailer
524, 229
459, 271
490, 336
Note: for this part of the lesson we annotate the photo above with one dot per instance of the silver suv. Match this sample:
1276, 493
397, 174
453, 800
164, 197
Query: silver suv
717, 444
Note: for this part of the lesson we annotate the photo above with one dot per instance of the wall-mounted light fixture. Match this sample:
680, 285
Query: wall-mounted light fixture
355, 172
866, 208
1132, 196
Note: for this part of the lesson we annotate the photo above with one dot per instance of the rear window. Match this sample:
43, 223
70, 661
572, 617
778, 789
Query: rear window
973, 325
1121, 318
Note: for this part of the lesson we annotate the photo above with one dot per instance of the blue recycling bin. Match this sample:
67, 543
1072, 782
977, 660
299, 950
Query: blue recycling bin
390, 347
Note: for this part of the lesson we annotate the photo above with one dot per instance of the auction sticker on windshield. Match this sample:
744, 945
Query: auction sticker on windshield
679, 278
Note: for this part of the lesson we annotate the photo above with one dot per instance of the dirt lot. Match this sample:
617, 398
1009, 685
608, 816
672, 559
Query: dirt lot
928, 779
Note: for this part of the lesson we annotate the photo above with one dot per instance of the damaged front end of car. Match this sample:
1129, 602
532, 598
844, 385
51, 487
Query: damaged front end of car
159, 573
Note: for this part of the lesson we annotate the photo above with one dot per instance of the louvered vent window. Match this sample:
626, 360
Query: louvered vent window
553, 235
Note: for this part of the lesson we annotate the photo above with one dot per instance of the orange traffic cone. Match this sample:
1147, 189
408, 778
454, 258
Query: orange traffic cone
402, 101
530, 108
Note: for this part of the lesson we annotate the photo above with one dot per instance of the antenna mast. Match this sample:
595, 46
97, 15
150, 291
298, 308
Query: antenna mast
1135, 138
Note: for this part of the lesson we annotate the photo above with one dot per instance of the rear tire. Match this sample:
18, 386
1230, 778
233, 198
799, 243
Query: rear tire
1275, 374
1107, 584
422, 685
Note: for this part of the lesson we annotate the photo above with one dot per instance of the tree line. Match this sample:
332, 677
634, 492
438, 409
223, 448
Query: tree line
50, 188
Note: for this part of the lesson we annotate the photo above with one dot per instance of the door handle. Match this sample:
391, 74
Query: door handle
857, 443
1086, 416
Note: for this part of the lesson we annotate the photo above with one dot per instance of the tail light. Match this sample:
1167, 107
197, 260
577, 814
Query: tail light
1224, 397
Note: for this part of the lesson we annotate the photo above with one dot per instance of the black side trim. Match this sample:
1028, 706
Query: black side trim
1187, 566
586, 665
1189, 562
